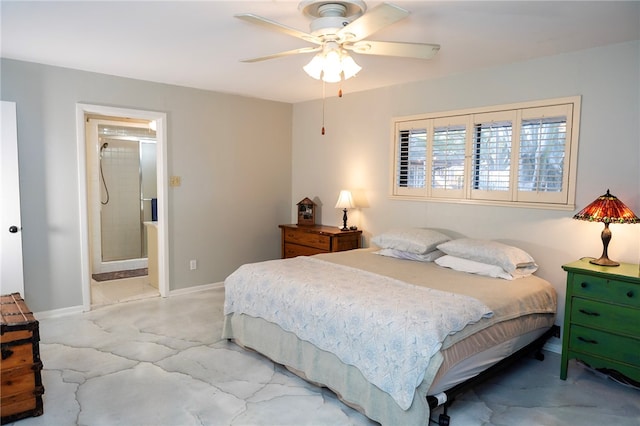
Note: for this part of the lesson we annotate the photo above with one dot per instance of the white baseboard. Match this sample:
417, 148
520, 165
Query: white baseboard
59, 312
553, 345
195, 289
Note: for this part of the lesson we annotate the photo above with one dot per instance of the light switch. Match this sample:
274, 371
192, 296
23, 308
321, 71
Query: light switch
175, 181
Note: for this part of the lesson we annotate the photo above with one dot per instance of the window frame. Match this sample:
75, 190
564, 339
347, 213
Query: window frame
513, 196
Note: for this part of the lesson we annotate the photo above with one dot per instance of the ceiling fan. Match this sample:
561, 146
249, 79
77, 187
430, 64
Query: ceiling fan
338, 26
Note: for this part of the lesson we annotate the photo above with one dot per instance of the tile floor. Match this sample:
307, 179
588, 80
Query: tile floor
122, 290
162, 362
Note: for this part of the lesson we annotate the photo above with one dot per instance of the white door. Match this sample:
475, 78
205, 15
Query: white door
11, 274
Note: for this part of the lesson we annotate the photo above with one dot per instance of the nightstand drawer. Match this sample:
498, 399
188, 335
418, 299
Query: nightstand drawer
604, 316
319, 241
605, 345
294, 250
348, 242
603, 289
314, 239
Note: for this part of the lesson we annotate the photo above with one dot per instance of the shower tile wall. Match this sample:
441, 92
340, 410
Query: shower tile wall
124, 235
121, 168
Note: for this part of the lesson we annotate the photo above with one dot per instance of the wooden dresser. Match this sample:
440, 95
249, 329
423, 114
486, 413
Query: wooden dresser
306, 240
21, 392
602, 318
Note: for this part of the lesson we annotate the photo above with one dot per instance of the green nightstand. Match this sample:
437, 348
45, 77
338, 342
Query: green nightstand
602, 317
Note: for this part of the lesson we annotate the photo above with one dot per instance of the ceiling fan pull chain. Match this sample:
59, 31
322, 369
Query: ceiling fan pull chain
323, 98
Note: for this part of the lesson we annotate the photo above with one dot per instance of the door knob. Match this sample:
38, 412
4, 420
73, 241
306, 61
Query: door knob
13, 229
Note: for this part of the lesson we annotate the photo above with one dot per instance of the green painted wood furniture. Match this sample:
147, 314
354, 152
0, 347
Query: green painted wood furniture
602, 317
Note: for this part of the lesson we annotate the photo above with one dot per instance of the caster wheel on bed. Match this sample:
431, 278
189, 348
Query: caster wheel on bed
444, 420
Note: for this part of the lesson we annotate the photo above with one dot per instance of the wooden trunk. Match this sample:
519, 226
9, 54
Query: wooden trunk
21, 381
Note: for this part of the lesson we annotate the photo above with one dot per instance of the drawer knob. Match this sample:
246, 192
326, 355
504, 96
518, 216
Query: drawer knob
583, 339
592, 314
630, 293
583, 285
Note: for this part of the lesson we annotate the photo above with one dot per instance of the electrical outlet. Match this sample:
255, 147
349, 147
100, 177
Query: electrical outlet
193, 265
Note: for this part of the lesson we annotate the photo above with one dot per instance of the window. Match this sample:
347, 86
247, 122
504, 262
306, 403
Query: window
447, 171
522, 154
413, 159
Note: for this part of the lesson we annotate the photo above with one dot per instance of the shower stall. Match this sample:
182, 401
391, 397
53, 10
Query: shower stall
122, 192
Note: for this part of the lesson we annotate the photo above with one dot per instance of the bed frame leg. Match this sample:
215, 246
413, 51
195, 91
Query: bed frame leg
440, 400
444, 419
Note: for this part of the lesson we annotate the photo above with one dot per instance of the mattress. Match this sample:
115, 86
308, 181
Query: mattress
523, 310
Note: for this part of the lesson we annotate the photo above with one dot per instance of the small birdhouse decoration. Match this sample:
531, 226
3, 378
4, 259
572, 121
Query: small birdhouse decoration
306, 212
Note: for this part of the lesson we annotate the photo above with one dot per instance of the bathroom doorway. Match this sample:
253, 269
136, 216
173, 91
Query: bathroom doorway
123, 204
122, 192
122, 195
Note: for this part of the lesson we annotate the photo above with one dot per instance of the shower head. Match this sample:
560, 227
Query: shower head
102, 148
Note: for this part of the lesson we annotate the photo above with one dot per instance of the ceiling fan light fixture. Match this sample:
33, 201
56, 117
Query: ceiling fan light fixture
332, 62
349, 67
332, 65
331, 77
314, 67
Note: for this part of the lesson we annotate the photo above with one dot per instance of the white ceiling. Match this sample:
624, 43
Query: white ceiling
199, 44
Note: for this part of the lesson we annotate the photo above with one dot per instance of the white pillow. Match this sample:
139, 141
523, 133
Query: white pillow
399, 254
412, 240
507, 257
524, 270
473, 267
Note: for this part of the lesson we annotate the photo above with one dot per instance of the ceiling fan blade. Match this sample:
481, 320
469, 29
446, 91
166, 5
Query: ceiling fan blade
276, 26
282, 54
389, 48
375, 19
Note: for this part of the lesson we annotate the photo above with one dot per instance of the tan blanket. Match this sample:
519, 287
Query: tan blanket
507, 299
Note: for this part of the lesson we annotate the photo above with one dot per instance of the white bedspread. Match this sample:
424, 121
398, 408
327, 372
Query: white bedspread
386, 328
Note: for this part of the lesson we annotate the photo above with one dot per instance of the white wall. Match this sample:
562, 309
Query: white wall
236, 182
355, 154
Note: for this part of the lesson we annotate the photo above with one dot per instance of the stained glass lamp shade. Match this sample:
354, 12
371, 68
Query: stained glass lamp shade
607, 209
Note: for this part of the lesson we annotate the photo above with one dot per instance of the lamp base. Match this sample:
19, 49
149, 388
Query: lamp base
604, 257
344, 220
604, 261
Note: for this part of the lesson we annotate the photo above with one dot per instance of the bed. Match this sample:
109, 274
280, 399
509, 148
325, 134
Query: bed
389, 334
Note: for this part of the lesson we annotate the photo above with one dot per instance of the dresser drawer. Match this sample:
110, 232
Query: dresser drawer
319, 241
603, 289
605, 316
605, 345
348, 242
294, 250
308, 240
